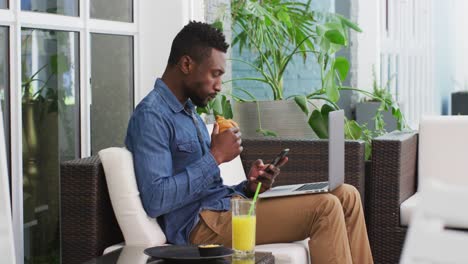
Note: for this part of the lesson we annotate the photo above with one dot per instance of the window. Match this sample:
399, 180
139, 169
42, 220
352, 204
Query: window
4, 87
112, 89
62, 7
50, 111
50, 102
117, 10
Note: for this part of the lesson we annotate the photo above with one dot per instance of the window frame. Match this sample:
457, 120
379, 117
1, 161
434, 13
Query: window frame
16, 19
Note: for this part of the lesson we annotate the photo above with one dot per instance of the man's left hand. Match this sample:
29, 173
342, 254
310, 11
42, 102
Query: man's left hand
264, 173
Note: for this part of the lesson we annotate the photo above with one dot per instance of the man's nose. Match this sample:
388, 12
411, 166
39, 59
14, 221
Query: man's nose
217, 85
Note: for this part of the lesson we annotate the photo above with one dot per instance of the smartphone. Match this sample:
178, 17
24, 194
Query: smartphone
279, 157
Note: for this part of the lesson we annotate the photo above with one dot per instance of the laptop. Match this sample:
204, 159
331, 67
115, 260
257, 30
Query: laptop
336, 154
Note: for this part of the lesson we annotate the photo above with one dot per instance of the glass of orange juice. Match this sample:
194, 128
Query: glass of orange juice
243, 227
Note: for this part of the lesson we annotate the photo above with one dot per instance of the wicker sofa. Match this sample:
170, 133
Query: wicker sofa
392, 180
88, 222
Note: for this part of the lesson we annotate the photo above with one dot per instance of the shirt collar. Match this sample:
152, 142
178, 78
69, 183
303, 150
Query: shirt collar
170, 98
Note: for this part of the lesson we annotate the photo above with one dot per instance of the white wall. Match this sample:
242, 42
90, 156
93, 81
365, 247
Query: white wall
159, 22
367, 47
460, 45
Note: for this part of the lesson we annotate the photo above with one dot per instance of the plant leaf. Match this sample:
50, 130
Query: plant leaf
217, 105
227, 109
267, 133
218, 24
301, 101
335, 36
330, 86
284, 18
348, 23
353, 130
341, 65
202, 110
325, 110
317, 123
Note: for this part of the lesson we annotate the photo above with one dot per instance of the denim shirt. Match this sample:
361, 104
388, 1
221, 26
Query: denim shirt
175, 179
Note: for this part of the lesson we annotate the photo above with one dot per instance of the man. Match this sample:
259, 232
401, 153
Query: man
177, 172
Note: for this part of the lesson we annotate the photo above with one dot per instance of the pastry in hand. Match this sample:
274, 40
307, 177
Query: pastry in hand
225, 123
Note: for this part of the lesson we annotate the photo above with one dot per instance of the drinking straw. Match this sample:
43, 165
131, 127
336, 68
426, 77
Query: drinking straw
255, 198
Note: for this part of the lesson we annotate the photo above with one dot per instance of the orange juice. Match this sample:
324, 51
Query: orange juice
243, 232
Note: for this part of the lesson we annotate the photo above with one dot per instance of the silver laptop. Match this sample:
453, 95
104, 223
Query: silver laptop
336, 153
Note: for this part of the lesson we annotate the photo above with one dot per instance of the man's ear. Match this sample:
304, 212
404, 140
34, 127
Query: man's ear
185, 64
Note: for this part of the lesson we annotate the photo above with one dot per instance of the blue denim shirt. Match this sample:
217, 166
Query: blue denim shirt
175, 179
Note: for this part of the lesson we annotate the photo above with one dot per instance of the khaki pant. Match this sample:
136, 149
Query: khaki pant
334, 222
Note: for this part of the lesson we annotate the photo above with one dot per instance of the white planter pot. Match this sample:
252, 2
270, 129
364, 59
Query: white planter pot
283, 117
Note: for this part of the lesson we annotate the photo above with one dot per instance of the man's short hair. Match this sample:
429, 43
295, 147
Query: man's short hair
196, 40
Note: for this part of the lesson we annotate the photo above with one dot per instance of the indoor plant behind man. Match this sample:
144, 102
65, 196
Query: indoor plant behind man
176, 165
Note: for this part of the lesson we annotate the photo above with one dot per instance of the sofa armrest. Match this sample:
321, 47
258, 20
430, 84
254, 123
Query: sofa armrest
308, 159
88, 222
393, 177
392, 181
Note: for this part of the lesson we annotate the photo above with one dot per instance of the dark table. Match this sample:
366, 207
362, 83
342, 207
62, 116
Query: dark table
135, 255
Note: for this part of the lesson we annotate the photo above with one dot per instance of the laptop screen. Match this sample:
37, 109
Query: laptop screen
336, 149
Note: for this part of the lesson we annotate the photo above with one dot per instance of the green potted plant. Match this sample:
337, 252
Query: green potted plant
275, 32
375, 113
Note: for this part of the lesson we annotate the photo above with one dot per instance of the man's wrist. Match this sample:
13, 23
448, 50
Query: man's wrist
215, 157
247, 190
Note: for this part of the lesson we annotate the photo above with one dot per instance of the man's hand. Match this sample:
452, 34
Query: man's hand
264, 173
226, 145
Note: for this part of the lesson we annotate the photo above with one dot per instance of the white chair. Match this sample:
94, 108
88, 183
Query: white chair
442, 155
428, 240
140, 230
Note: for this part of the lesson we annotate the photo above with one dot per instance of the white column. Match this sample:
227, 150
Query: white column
367, 15
159, 22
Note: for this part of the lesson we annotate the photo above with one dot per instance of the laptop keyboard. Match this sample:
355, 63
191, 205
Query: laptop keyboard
312, 186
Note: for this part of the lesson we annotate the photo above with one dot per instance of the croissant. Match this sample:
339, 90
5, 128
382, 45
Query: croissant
225, 123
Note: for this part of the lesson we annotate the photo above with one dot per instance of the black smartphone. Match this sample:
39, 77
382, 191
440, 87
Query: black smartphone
279, 157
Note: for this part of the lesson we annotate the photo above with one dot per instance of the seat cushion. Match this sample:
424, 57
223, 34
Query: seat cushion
443, 150
287, 252
407, 209
137, 227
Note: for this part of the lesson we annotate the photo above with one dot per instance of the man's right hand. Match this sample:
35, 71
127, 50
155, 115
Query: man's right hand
225, 146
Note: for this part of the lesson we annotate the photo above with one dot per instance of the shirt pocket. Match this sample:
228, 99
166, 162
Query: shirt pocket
187, 146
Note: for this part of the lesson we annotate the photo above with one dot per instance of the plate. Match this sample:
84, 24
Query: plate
185, 253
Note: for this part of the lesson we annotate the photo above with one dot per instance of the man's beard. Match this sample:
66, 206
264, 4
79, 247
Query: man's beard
199, 102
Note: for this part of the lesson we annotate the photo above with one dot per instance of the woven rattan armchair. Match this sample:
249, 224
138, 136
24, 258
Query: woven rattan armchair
88, 222
392, 181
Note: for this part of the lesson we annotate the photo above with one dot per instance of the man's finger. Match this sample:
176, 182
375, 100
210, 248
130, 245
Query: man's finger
215, 129
282, 162
258, 163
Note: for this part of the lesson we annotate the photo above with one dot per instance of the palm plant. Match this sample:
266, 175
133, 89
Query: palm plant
275, 31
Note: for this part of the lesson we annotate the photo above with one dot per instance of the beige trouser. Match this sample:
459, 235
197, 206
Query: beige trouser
334, 223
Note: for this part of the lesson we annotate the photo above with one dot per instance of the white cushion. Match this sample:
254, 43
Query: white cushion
428, 241
407, 209
442, 155
287, 252
136, 226
443, 149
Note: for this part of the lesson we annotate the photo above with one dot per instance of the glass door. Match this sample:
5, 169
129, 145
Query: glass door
50, 115
67, 91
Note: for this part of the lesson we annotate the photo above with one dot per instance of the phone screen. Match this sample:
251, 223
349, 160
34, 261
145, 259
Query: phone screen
279, 157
